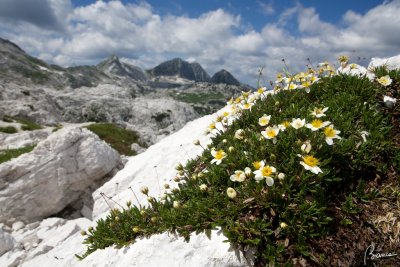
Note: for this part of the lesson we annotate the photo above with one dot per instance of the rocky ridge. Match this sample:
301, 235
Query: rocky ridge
112, 91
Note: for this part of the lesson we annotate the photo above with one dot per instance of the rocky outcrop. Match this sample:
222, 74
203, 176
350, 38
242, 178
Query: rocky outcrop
22, 139
38, 238
224, 76
114, 67
6, 242
174, 67
200, 75
55, 174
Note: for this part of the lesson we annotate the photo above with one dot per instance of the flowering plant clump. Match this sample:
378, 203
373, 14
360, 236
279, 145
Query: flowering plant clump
278, 157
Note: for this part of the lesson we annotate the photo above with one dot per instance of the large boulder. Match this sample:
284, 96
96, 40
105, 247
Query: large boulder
55, 174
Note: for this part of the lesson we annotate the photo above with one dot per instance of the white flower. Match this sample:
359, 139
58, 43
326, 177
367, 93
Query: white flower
306, 147
330, 134
281, 176
239, 176
264, 120
318, 112
247, 105
218, 156
384, 80
265, 172
239, 134
310, 163
231, 192
317, 124
364, 135
284, 125
271, 133
247, 171
298, 123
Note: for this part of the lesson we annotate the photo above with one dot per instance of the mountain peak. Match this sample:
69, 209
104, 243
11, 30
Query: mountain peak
224, 76
179, 67
114, 67
4, 44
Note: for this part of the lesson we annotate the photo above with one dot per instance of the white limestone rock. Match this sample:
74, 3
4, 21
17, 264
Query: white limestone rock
6, 242
140, 170
54, 174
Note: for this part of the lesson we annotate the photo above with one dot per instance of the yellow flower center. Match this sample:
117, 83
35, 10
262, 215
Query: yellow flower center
271, 133
329, 132
292, 86
260, 90
237, 100
264, 121
306, 84
316, 123
257, 165
318, 111
225, 114
246, 106
246, 94
266, 171
220, 154
286, 124
212, 126
310, 161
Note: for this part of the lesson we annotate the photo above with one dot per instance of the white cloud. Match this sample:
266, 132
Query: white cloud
266, 8
216, 39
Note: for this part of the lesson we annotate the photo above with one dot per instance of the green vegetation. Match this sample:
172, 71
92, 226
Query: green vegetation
28, 125
36, 61
6, 155
34, 75
8, 129
199, 97
118, 138
271, 176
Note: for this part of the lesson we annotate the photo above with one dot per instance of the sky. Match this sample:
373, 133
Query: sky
240, 36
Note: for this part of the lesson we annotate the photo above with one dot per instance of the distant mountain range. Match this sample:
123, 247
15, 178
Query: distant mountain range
16, 64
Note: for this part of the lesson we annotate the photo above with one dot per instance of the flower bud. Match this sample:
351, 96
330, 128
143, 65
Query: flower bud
281, 176
203, 187
83, 233
128, 203
177, 179
283, 225
224, 141
153, 219
176, 204
231, 192
143, 213
166, 186
231, 149
144, 190
135, 229
196, 142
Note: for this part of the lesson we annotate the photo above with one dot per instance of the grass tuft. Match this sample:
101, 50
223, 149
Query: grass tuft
8, 129
8, 154
118, 138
